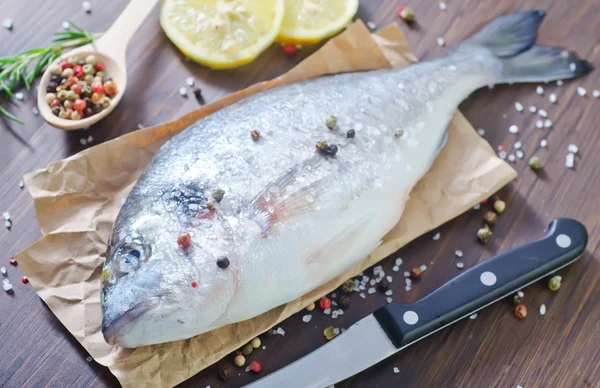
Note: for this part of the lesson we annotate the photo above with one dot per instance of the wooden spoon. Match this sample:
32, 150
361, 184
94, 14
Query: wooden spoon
110, 48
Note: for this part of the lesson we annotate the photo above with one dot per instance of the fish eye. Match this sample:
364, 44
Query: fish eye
129, 254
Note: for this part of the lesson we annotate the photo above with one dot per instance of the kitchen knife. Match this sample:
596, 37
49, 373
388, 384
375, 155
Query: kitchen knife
396, 326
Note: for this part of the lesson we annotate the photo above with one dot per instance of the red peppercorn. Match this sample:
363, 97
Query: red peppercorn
12, 261
484, 201
325, 303
66, 65
194, 284
110, 88
415, 273
25, 280
500, 147
98, 88
100, 66
76, 89
55, 102
71, 81
78, 71
79, 105
289, 50
399, 12
184, 241
255, 367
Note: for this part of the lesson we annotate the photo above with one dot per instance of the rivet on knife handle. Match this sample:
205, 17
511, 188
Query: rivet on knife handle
484, 284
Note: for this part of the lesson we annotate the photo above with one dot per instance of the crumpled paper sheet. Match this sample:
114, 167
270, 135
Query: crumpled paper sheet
77, 200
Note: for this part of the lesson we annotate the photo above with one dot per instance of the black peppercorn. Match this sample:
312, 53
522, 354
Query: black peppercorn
56, 110
55, 78
223, 262
199, 97
97, 108
223, 374
332, 149
51, 87
350, 134
88, 112
344, 301
384, 285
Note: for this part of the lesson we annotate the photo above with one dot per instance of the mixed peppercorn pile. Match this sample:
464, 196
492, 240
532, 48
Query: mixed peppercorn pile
79, 88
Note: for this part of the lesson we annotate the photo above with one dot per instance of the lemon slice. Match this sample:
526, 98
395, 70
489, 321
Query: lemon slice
222, 34
309, 21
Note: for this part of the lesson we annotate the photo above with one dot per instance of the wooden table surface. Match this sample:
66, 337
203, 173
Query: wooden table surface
560, 349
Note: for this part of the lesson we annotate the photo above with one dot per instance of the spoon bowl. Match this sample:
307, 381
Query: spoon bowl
110, 49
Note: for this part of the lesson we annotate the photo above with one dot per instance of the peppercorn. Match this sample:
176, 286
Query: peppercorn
110, 88
329, 333
325, 303
79, 105
516, 300
105, 102
520, 311
210, 205
198, 95
51, 87
484, 234
68, 104
406, 13
87, 91
499, 206
331, 122
255, 133
62, 95
322, 146
77, 89
535, 163
71, 95
289, 49
399, 132
350, 134
218, 195
310, 307
344, 301
255, 343
247, 350
554, 283
97, 88
348, 286
66, 73
75, 115
56, 110
255, 366
63, 114
239, 360
490, 218
88, 70
223, 262
184, 241
96, 98
89, 79
384, 285
97, 80
332, 149
100, 66
97, 108
50, 97
88, 112
223, 374
90, 60
415, 273
55, 69
100, 74
54, 103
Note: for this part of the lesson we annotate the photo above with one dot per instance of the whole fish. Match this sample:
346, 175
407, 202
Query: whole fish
227, 222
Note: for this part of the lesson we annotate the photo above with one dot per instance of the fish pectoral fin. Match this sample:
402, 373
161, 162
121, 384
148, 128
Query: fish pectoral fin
340, 242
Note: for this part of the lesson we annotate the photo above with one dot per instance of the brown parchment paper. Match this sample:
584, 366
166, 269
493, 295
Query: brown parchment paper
77, 200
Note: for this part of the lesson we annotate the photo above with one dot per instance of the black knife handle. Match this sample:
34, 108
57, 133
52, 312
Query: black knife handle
483, 284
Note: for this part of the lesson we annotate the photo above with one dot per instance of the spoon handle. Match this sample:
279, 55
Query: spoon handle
116, 39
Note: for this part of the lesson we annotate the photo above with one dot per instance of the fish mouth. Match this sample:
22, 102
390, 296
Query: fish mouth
114, 329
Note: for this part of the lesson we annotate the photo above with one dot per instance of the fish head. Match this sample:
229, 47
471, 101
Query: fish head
163, 279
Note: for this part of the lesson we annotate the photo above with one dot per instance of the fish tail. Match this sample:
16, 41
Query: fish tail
511, 39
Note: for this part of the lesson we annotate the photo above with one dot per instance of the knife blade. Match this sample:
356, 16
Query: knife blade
396, 326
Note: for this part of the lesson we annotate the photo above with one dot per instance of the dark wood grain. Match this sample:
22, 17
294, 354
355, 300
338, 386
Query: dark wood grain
561, 349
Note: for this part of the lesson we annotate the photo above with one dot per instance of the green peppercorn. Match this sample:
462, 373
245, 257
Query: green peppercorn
71, 95
535, 163
89, 70
101, 74
484, 234
66, 73
87, 91
90, 60
68, 104
322, 146
63, 114
105, 102
331, 122
490, 218
62, 95
348, 286
247, 350
55, 69
50, 97
75, 115
218, 195
89, 79
344, 301
554, 283
499, 206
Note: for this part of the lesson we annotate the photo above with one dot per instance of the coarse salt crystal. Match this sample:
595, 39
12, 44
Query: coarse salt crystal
473, 316
518, 145
190, 81
365, 278
407, 288
408, 281
362, 295
396, 370
336, 331
532, 109
90, 139
521, 294
306, 318
570, 160
511, 158
19, 96
21, 184
6, 215
87, 6
248, 369
504, 116
334, 315
481, 131
477, 206
7, 286
519, 106
547, 123
423, 268
442, 6
35, 111
440, 41
559, 83
458, 253
66, 26
264, 347
280, 331
559, 278
8, 24
502, 155
327, 311
543, 113
581, 91
552, 98
519, 154
362, 288
371, 290
437, 236
573, 148
406, 274
543, 309
377, 269
373, 282
539, 90
371, 25
543, 143
83, 141
183, 91
389, 300
334, 303
519, 386
596, 93
539, 124
334, 295
3, 271
395, 268
398, 261
389, 279
388, 292
89, 358
460, 265
513, 129
8, 224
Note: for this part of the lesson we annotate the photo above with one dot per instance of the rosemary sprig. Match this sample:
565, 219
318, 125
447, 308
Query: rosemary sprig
20, 69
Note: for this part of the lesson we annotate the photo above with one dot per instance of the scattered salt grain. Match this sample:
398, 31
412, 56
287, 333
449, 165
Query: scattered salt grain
8, 224
559, 83
371, 25
248, 369
389, 293
389, 279
511, 158
396, 370
539, 90
66, 26
559, 278
504, 116
543, 143
473, 316
8, 24
407, 288
581, 91
539, 124
21, 184
442, 6
519, 154
35, 111
371, 290
83, 141
532, 109
336, 331
280, 331
373, 282
518, 145
477, 206
327, 311
437, 236
377, 269
264, 348
306, 318
552, 98
570, 160
458, 253
513, 129
440, 41
6, 215
7, 286
543, 113
189, 81
334, 303
89, 358
502, 155
519, 386
423, 268
398, 261
519, 106
19, 96
543, 309
395, 268
406, 274
362, 295
389, 300
3, 271
90, 139
596, 93
521, 294
183, 91
573, 148
408, 281
140, 126
460, 265
334, 295
87, 6
481, 131
334, 315
547, 123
